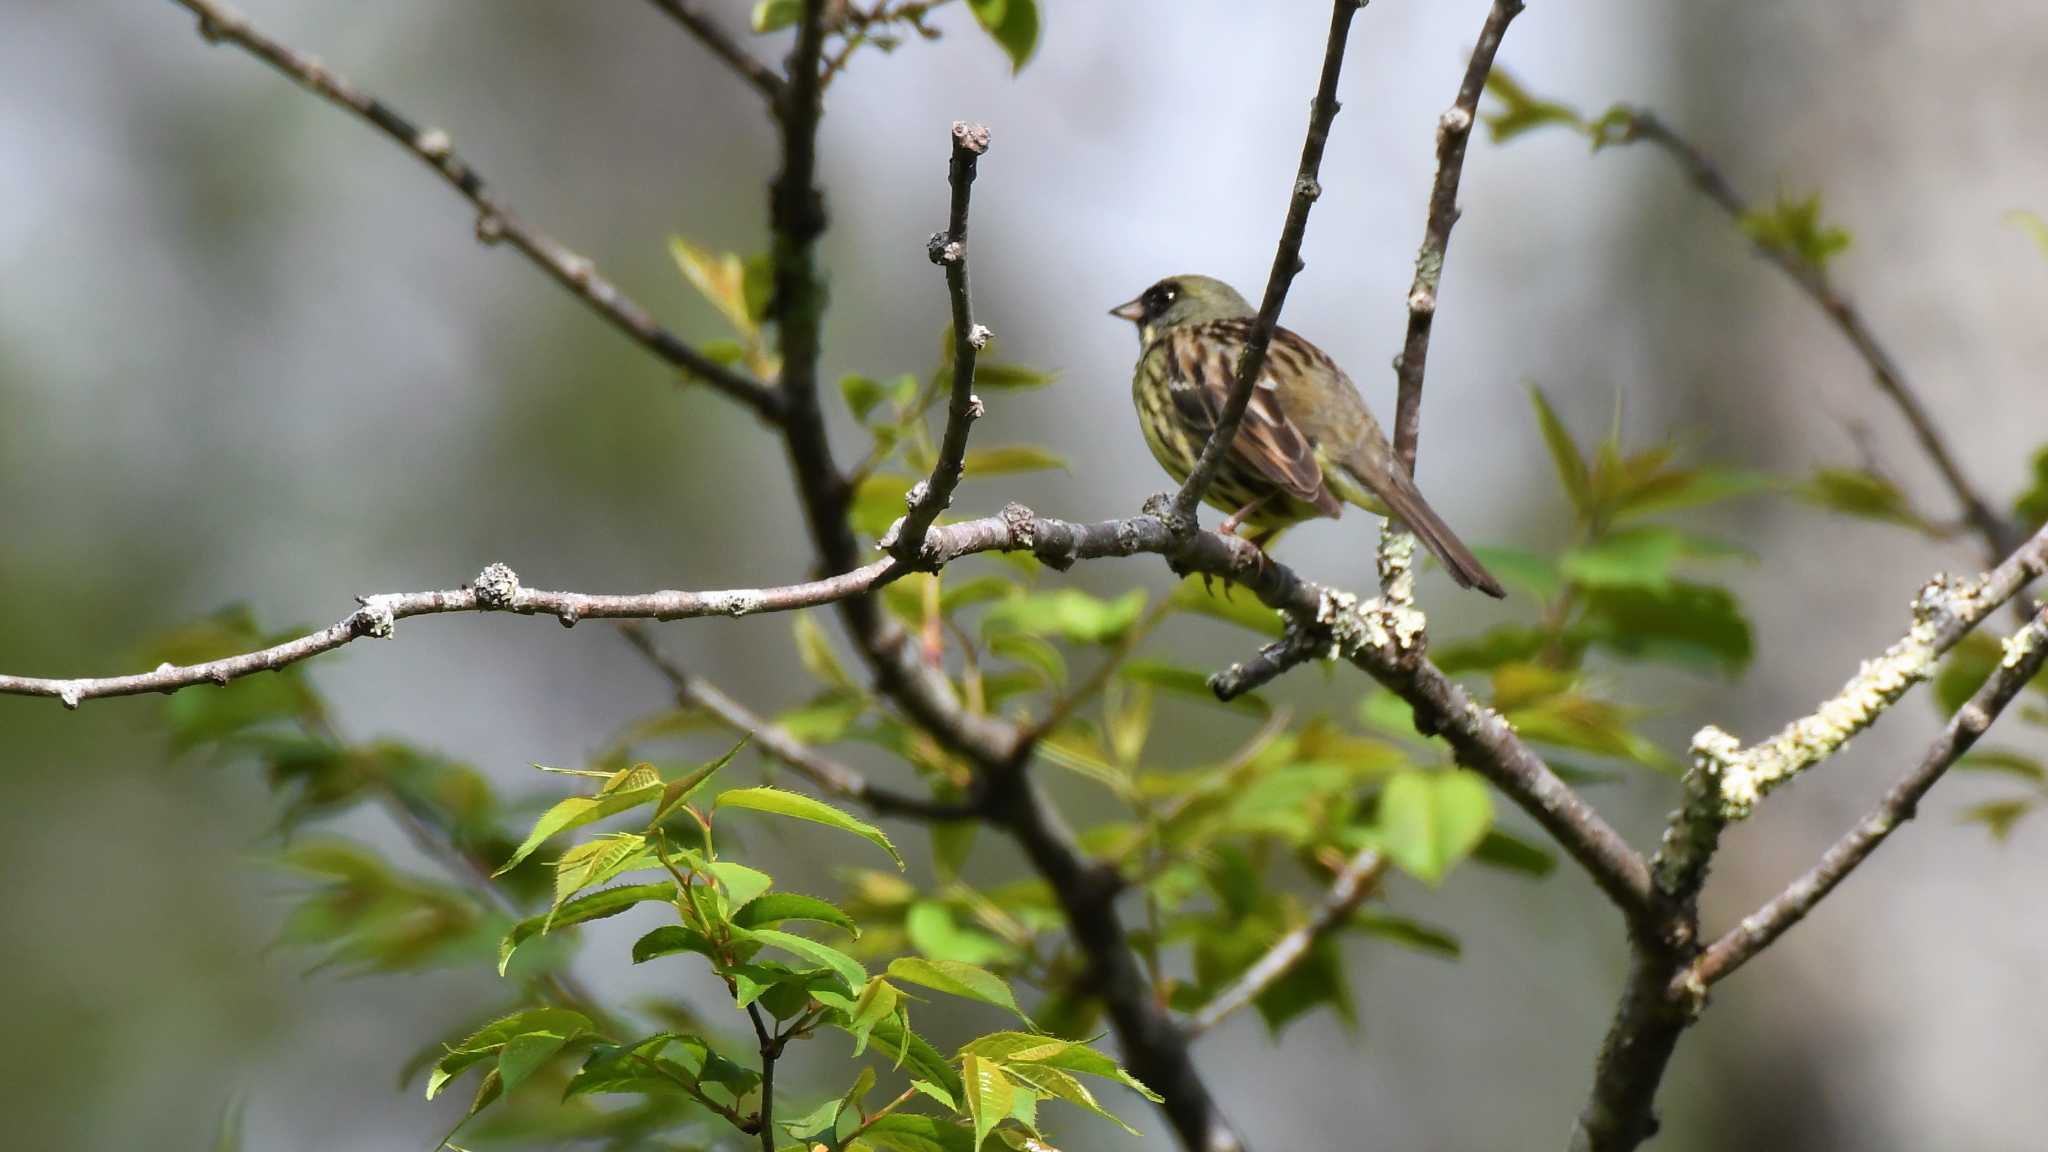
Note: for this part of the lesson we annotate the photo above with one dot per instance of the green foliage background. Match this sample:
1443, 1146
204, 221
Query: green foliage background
270, 367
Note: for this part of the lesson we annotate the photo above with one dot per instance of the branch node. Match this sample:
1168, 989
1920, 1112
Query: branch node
568, 617
435, 145
490, 228
943, 249
979, 336
971, 138
374, 620
1456, 121
497, 586
1308, 188
72, 695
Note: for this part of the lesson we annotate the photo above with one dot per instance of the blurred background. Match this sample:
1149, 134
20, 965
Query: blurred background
250, 352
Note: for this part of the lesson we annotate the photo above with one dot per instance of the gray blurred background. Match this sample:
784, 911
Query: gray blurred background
249, 351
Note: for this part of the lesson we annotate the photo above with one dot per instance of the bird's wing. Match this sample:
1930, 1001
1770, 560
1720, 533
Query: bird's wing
1201, 367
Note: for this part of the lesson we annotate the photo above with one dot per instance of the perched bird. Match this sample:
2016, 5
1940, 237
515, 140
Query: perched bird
1307, 445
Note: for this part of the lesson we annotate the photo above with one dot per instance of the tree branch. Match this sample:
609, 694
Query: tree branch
1353, 885
1999, 535
723, 45
495, 221
1453, 131
949, 249
1668, 978
1286, 262
828, 774
2025, 653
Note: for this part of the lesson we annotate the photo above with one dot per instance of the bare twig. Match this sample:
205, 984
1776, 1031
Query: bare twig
1352, 886
1296, 646
949, 249
2025, 653
723, 45
1481, 739
1998, 534
1286, 262
1453, 130
834, 777
496, 589
494, 222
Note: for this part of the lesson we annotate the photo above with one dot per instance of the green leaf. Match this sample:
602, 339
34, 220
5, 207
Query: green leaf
593, 906
1520, 112
494, 1038
1510, 852
2006, 762
626, 788
842, 965
879, 501
1685, 623
1537, 575
797, 806
676, 793
957, 979
815, 651
1999, 816
1507, 644
1035, 653
1793, 226
1009, 377
1564, 453
524, 1055
1865, 495
1055, 1084
670, 940
1408, 933
816, 1120
1674, 490
598, 861
1015, 1048
914, 1053
878, 1001
2032, 506
1241, 609
720, 277
989, 1095
1430, 820
1012, 24
1191, 683
1630, 558
862, 395
775, 15
1068, 614
932, 931
1968, 665
2036, 229
1008, 459
781, 907
910, 1132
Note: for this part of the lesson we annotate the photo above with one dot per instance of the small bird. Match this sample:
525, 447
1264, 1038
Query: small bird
1307, 445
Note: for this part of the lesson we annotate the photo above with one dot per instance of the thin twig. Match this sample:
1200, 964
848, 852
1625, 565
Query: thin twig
1453, 131
495, 221
1480, 738
696, 692
2025, 653
1286, 262
949, 249
1354, 883
726, 47
1998, 534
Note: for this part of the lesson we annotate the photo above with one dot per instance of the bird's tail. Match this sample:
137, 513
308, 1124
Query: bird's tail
1405, 501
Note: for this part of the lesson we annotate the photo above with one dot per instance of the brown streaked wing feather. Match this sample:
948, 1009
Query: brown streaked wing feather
1201, 366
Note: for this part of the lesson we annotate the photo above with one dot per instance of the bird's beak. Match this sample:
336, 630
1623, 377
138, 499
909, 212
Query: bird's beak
1134, 311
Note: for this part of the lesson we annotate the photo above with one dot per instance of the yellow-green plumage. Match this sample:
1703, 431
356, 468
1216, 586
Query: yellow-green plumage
1307, 443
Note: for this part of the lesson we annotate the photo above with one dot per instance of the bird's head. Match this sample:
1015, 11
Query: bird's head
1179, 300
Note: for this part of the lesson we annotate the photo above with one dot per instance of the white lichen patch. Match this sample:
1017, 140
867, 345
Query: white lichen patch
1745, 775
2021, 644
375, 619
732, 603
